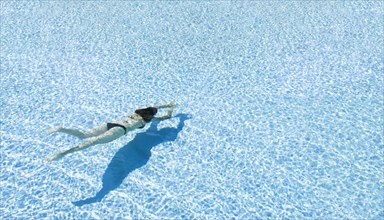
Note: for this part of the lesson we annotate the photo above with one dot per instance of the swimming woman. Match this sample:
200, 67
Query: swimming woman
111, 131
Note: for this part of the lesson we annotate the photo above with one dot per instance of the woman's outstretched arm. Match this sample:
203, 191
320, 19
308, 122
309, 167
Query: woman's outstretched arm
170, 105
168, 115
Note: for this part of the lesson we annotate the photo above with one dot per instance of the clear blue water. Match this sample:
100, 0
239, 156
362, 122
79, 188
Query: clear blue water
280, 110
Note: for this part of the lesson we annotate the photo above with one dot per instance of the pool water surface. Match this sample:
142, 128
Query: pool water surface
279, 116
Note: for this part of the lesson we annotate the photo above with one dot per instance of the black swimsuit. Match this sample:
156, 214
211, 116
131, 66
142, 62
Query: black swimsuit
112, 125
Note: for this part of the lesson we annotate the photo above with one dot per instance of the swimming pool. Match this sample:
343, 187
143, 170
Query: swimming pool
280, 109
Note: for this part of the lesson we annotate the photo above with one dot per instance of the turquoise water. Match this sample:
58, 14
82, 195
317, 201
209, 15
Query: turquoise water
280, 109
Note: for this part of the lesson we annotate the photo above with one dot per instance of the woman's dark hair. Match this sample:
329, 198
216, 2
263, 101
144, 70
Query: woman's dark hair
147, 113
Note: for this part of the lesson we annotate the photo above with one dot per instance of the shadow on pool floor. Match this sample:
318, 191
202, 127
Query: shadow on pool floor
133, 156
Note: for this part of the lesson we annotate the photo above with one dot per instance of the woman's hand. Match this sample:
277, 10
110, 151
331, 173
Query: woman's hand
169, 113
172, 105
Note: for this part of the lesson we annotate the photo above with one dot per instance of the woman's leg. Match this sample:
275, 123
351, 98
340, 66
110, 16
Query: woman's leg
82, 135
106, 137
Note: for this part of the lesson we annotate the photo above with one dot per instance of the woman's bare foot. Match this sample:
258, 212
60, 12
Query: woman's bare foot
55, 129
